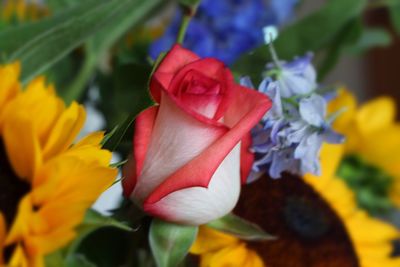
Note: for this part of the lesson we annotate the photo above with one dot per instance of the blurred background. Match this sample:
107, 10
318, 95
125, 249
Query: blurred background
374, 72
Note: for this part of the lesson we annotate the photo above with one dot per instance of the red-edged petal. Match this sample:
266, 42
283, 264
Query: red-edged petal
176, 139
229, 94
208, 67
174, 60
246, 158
250, 107
199, 205
143, 129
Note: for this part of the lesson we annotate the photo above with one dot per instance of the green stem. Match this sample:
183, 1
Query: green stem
182, 30
76, 88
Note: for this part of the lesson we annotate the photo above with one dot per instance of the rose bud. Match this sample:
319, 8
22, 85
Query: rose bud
191, 150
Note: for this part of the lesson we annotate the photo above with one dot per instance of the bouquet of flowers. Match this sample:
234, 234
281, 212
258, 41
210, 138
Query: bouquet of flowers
193, 133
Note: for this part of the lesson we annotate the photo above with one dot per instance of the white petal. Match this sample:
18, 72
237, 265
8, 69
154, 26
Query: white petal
198, 205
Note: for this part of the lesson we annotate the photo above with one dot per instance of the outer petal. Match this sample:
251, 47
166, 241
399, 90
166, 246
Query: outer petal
143, 129
199, 205
177, 58
176, 139
247, 101
246, 158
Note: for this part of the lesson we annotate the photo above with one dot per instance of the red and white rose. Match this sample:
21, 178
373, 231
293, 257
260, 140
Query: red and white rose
191, 150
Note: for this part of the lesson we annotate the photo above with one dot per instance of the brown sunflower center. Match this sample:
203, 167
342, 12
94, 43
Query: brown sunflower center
305, 218
308, 231
12, 188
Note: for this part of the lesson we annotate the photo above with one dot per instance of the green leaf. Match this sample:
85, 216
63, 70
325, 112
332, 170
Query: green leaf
395, 16
372, 37
312, 33
78, 260
170, 242
41, 44
93, 219
55, 259
15, 38
113, 140
239, 227
107, 247
92, 222
135, 12
348, 35
58, 37
55, 5
124, 99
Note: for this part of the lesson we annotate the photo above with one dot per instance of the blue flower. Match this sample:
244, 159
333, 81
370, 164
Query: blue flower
309, 132
226, 29
297, 77
290, 135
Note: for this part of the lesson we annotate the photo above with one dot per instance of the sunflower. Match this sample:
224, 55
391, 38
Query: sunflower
217, 249
46, 182
316, 221
372, 138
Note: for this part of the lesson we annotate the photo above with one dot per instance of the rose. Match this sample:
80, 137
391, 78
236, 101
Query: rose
190, 150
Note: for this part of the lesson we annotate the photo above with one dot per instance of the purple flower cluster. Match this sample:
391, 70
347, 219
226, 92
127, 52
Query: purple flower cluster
289, 137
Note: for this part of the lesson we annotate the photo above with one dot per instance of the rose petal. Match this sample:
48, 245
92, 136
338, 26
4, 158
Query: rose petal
246, 102
246, 158
177, 58
199, 205
143, 129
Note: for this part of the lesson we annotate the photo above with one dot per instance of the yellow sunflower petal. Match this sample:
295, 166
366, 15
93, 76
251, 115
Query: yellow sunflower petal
45, 114
48, 242
366, 230
376, 114
330, 156
9, 87
21, 145
234, 256
253, 259
382, 146
9, 84
93, 139
19, 258
65, 130
20, 227
345, 103
90, 153
73, 180
211, 240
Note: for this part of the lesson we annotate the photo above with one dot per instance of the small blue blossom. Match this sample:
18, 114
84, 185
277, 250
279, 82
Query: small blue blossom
226, 29
297, 77
290, 135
